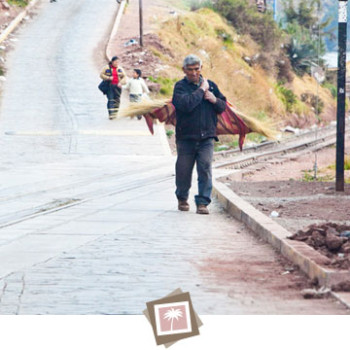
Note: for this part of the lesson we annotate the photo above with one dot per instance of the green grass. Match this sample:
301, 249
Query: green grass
346, 164
308, 176
21, 3
166, 85
170, 133
332, 88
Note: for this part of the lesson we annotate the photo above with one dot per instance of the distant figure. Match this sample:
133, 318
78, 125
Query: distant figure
116, 77
137, 87
197, 102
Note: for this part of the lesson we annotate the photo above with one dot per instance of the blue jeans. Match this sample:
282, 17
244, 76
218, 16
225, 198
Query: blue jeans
190, 152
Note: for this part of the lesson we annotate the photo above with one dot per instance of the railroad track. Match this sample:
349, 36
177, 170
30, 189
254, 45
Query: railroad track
309, 141
127, 181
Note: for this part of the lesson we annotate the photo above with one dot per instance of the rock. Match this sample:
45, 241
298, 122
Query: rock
290, 129
315, 294
333, 231
247, 59
333, 242
318, 238
204, 54
346, 248
153, 87
4, 5
274, 214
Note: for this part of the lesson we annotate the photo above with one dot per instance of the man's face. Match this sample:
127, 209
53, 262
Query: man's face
115, 63
193, 73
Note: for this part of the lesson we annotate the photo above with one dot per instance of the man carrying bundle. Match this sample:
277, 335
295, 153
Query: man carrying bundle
197, 102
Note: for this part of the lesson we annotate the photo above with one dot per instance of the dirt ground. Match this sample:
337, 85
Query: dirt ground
7, 14
284, 190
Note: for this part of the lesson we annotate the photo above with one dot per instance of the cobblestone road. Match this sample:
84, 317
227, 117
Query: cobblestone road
88, 219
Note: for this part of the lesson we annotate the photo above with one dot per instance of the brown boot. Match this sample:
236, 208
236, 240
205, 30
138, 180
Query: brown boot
202, 209
183, 206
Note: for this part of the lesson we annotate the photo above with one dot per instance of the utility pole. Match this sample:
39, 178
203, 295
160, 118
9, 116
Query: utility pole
341, 94
141, 23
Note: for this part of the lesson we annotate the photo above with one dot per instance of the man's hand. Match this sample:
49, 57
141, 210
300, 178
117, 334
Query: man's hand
205, 85
209, 96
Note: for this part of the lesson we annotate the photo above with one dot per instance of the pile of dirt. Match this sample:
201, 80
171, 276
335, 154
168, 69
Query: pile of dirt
133, 56
329, 239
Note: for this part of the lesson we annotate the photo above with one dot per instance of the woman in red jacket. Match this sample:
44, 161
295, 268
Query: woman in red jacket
115, 75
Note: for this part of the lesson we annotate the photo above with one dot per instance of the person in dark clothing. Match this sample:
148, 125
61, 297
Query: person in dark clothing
115, 75
197, 102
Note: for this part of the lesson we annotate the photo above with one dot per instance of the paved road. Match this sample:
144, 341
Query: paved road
88, 219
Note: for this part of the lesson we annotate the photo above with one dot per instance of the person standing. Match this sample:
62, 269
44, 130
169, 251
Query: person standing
115, 75
137, 88
197, 102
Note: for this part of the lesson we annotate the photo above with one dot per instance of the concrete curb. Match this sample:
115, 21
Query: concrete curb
13, 25
302, 255
343, 297
115, 27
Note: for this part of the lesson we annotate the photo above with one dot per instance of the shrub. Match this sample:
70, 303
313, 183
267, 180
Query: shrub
331, 87
247, 20
287, 96
314, 101
166, 85
21, 3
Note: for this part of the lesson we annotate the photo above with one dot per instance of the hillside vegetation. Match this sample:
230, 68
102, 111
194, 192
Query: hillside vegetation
241, 68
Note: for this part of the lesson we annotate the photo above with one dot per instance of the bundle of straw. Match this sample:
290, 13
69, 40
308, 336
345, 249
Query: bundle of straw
265, 128
142, 108
164, 111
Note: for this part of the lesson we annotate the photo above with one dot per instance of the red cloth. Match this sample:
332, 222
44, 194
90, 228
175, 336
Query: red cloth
115, 80
229, 123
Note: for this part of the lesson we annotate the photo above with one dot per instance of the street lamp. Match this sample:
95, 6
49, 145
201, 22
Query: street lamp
342, 24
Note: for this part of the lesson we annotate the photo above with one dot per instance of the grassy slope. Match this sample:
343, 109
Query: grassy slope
251, 89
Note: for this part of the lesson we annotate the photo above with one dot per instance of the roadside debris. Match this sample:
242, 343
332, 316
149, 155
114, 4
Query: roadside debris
292, 130
323, 292
274, 214
329, 239
130, 42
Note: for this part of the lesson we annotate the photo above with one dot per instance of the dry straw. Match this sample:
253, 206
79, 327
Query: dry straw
264, 128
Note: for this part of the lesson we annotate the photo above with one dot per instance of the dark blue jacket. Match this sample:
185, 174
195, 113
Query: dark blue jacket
196, 118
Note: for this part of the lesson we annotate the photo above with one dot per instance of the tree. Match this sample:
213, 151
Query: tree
171, 315
306, 32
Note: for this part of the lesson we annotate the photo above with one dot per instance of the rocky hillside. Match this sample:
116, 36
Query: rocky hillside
233, 61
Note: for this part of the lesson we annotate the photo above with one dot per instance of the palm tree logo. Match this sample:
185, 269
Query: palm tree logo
172, 314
